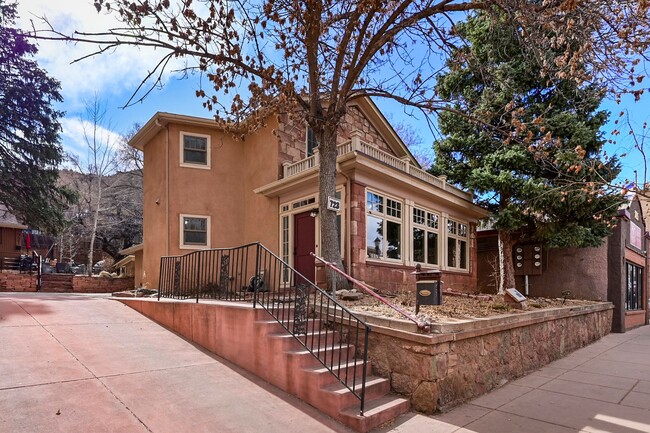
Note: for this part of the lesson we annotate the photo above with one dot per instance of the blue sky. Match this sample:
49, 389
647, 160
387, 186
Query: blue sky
114, 76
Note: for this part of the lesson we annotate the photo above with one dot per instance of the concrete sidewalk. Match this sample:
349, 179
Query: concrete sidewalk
71, 363
86, 364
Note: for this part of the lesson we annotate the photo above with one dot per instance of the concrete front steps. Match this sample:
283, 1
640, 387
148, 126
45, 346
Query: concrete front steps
301, 374
253, 340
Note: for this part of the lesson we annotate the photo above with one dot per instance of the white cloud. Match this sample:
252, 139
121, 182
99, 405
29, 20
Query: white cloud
110, 73
75, 133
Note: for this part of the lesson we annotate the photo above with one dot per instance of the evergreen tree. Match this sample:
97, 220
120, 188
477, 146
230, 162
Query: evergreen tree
29, 131
529, 144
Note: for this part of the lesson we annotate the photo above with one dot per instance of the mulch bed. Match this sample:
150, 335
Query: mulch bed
456, 306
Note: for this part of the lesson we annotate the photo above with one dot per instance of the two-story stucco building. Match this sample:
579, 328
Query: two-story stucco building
205, 189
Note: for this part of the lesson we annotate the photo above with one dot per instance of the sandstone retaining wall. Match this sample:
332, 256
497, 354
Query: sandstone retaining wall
438, 370
465, 360
11, 282
63, 283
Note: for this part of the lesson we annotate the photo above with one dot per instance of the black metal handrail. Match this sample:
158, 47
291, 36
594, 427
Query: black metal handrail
334, 335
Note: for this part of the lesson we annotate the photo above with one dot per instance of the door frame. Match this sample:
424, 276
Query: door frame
296, 239
307, 203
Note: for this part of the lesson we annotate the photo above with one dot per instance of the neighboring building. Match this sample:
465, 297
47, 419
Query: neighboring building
203, 189
131, 264
11, 237
125, 267
616, 271
17, 239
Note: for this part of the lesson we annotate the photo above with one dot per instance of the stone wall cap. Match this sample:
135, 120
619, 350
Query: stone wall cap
468, 328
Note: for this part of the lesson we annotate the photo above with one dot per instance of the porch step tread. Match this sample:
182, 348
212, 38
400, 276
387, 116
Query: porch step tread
376, 412
324, 370
339, 388
321, 350
377, 406
314, 335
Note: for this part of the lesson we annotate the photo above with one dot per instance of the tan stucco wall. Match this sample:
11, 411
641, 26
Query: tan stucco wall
224, 192
259, 167
138, 268
155, 230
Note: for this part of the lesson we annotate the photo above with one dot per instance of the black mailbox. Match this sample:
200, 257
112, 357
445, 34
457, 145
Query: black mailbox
428, 288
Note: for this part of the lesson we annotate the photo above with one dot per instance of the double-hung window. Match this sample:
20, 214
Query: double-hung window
634, 287
456, 245
383, 227
425, 236
195, 231
195, 150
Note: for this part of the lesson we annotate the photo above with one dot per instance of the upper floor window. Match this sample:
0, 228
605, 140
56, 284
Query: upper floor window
383, 227
195, 231
312, 143
425, 236
195, 150
456, 245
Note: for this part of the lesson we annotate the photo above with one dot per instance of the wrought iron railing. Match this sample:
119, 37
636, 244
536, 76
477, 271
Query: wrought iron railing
325, 328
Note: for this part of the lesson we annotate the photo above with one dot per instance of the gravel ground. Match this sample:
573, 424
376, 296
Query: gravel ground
457, 307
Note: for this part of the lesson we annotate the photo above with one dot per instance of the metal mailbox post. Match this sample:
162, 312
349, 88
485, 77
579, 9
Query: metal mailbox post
428, 288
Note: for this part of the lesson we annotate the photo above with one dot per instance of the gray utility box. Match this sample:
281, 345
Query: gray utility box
428, 288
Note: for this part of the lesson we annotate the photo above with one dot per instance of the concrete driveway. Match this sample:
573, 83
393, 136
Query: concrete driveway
80, 363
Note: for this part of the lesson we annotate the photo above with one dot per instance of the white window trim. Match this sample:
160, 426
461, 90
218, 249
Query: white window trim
208, 155
291, 212
426, 228
182, 245
386, 217
458, 238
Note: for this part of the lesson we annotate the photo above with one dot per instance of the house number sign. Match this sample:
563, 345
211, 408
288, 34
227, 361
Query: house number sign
333, 204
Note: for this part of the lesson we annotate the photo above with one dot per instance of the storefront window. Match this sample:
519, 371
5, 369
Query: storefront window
634, 287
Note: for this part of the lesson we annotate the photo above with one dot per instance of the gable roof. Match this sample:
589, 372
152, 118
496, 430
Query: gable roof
132, 249
160, 121
385, 129
364, 103
7, 219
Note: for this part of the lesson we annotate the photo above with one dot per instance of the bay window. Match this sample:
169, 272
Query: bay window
383, 227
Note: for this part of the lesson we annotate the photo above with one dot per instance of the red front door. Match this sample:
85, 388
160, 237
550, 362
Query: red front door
304, 243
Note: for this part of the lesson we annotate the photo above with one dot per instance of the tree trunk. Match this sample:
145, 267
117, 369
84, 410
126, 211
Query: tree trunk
93, 230
329, 234
506, 268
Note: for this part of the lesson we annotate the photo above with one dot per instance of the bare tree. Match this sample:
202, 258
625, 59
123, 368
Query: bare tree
96, 168
413, 140
319, 55
130, 159
639, 135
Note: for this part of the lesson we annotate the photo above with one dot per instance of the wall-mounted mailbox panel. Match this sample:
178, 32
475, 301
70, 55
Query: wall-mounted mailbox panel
527, 259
